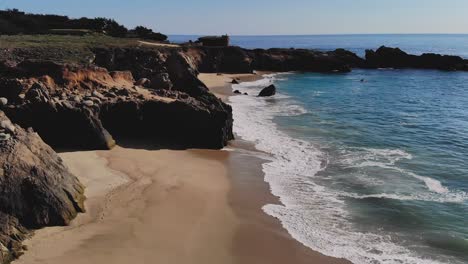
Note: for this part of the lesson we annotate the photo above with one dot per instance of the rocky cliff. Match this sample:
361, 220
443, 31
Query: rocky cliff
84, 106
238, 60
36, 189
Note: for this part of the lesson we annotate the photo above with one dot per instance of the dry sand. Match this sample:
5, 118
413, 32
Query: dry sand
164, 206
173, 209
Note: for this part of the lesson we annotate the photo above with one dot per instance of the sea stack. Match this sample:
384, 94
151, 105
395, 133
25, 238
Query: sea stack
268, 91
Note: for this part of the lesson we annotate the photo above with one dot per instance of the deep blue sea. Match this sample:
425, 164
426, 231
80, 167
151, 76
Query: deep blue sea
373, 171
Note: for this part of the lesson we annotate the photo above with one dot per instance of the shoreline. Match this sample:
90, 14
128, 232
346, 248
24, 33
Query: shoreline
143, 207
252, 192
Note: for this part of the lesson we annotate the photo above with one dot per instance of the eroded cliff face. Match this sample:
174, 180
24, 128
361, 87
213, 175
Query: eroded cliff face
36, 189
84, 106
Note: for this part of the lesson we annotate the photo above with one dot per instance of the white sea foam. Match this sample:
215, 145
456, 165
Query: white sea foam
386, 159
313, 214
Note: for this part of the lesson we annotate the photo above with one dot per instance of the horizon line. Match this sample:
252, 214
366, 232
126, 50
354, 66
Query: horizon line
313, 34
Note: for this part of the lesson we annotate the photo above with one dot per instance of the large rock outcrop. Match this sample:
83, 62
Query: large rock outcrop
386, 57
154, 65
36, 189
180, 121
68, 108
239, 60
297, 60
220, 59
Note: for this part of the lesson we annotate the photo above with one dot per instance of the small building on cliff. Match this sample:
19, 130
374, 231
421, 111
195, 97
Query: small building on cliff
214, 41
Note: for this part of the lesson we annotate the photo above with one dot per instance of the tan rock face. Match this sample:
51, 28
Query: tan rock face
36, 189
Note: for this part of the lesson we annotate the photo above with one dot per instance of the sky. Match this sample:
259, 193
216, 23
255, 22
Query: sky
267, 17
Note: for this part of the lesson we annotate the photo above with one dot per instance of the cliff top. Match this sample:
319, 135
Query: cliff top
66, 48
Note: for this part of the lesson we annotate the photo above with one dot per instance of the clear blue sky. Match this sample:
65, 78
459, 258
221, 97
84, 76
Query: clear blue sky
255, 17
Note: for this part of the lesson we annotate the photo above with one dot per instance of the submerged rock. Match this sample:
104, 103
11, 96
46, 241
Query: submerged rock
268, 91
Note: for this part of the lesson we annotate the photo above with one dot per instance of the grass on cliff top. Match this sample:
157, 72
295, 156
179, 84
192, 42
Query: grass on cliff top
64, 41
62, 48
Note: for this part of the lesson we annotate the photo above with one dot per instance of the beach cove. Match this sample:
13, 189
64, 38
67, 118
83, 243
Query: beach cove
188, 206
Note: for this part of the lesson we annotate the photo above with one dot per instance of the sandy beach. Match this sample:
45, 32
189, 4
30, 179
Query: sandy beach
166, 206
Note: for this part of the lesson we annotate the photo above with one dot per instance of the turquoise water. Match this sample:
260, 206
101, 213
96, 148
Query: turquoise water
373, 171
450, 44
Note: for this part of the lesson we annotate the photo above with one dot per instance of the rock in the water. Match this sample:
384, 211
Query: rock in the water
246, 94
36, 189
234, 81
386, 57
237, 92
268, 91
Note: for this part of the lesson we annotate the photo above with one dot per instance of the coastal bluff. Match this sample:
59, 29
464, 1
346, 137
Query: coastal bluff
36, 189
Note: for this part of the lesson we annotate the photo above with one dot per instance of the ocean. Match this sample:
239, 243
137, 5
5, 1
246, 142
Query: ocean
373, 171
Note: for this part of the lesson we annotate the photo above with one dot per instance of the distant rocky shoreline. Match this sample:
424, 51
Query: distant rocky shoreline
128, 93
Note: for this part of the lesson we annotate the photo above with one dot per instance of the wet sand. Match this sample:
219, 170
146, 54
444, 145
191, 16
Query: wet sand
165, 206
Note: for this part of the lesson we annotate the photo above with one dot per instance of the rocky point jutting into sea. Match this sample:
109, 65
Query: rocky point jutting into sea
119, 93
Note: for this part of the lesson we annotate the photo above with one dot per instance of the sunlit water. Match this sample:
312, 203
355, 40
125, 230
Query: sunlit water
373, 171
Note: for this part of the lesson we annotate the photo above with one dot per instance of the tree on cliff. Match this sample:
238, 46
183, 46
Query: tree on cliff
146, 33
13, 22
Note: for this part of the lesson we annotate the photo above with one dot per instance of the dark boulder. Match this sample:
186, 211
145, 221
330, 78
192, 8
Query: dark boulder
234, 81
161, 81
268, 91
237, 92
